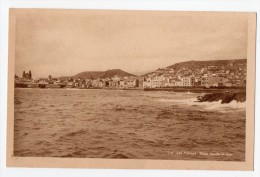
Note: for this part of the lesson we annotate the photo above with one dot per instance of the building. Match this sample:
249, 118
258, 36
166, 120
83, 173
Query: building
121, 84
157, 83
187, 81
169, 83
131, 82
147, 83
27, 76
197, 81
178, 82
215, 81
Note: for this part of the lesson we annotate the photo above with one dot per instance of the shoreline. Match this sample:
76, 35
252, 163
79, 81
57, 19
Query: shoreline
172, 89
225, 98
225, 95
199, 89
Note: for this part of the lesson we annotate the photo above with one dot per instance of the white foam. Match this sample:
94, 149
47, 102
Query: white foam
217, 105
234, 105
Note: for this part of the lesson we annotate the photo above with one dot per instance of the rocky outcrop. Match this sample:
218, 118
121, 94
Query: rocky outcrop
224, 97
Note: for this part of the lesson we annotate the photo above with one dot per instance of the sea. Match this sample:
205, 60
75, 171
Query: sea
126, 124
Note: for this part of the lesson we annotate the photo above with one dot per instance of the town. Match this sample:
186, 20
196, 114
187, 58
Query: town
185, 74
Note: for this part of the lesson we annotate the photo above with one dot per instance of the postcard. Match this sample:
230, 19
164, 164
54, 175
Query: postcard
131, 89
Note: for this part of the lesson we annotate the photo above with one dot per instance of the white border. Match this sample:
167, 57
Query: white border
178, 5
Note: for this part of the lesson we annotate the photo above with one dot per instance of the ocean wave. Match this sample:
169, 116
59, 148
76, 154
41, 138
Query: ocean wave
218, 105
209, 105
140, 125
183, 93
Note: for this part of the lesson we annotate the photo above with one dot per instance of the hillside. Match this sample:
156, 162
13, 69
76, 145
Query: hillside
113, 72
87, 74
193, 65
199, 64
100, 74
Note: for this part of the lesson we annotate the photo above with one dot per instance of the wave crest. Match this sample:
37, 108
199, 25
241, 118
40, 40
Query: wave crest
217, 105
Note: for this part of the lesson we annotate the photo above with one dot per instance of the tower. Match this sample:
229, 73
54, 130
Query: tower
30, 75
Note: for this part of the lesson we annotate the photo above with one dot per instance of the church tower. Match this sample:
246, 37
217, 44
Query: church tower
30, 75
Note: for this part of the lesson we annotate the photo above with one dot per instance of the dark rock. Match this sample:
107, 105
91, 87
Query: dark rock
224, 97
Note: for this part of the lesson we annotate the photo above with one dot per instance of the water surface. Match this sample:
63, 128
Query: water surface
126, 124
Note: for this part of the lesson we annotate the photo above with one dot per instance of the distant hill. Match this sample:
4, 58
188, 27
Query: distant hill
88, 75
100, 74
113, 72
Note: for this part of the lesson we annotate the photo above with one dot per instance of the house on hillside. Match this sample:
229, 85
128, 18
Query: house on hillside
115, 78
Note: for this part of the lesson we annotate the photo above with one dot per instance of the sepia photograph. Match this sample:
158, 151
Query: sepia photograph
132, 85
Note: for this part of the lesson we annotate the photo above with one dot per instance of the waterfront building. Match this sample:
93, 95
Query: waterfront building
169, 83
157, 83
43, 82
147, 83
27, 76
178, 82
113, 83
131, 82
187, 81
140, 82
95, 83
101, 83
121, 84
215, 81
197, 81
70, 84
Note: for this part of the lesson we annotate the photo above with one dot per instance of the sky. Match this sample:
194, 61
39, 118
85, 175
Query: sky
67, 42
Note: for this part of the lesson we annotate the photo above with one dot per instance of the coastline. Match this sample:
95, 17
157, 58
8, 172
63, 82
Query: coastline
225, 98
200, 89
170, 89
225, 95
